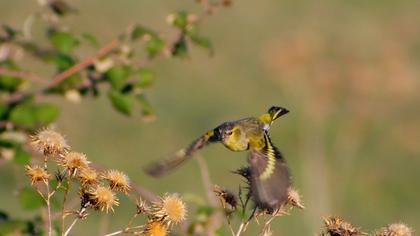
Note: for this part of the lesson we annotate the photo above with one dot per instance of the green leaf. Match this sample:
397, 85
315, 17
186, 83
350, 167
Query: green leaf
140, 31
146, 77
63, 61
3, 111
46, 113
63, 41
30, 199
22, 157
22, 115
197, 39
154, 46
9, 83
12, 227
121, 102
7, 143
180, 19
180, 48
117, 76
91, 39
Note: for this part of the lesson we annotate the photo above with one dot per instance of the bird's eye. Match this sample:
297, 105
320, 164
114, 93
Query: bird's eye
229, 132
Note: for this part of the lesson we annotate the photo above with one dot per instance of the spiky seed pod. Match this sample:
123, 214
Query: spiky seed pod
36, 174
225, 196
102, 198
88, 176
74, 161
155, 228
294, 199
118, 181
170, 209
49, 142
398, 229
336, 226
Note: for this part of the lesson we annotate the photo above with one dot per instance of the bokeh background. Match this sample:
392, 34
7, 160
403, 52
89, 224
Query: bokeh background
349, 71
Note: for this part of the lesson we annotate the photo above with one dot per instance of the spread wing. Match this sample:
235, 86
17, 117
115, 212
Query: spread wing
269, 177
165, 166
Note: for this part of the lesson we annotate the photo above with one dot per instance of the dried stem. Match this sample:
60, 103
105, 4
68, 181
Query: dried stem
63, 206
79, 216
47, 199
71, 226
242, 228
126, 230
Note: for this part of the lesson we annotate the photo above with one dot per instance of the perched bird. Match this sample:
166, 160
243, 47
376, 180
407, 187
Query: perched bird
267, 173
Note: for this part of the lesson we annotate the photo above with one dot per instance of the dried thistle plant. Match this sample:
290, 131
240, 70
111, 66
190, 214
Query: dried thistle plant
169, 209
97, 191
49, 142
37, 174
118, 181
336, 226
397, 229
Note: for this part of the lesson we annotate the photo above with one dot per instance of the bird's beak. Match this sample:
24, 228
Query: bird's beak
215, 135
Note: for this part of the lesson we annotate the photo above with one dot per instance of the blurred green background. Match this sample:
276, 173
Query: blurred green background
349, 72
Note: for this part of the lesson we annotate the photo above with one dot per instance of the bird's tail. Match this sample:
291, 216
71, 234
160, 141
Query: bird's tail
166, 166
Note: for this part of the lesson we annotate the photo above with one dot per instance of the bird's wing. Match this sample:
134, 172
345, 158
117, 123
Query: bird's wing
165, 166
269, 177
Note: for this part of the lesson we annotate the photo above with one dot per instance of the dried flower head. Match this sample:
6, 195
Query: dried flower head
88, 176
155, 228
293, 199
335, 226
103, 198
36, 174
49, 142
398, 229
118, 181
225, 196
74, 161
170, 208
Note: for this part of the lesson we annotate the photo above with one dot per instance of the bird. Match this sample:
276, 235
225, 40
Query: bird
267, 174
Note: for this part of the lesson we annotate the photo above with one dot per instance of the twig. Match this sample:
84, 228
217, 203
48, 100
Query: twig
126, 230
205, 177
85, 63
63, 206
47, 199
71, 226
79, 216
242, 228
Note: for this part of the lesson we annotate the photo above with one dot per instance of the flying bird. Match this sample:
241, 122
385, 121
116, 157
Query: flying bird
267, 174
